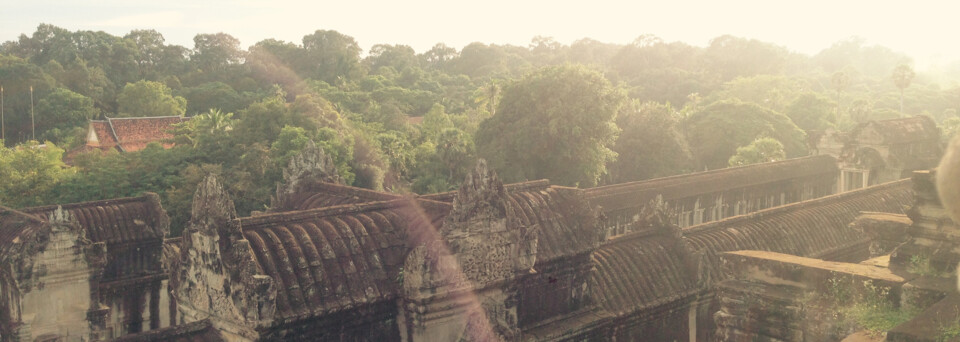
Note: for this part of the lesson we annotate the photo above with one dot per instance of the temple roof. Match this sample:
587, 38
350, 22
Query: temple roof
319, 195
555, 210
131, 134
336, 258
647, 268
642, 270
17, 227
120, 220
627, 195
815, 228
903, 130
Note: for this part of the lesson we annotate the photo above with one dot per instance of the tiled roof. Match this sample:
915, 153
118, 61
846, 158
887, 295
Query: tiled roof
132, 134
905, 130
626, 195
119, 220
336, 258
17, 227
103, 133
135, 133
814, 228
319, 195
642, 270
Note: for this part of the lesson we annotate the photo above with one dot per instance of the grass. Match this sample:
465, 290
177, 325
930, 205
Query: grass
949, 332
920, 264
873, 311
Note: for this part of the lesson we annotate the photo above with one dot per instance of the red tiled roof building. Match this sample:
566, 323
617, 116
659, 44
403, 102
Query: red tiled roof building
131, 134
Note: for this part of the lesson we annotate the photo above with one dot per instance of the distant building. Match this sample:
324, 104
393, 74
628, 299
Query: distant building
881, 151
131, 134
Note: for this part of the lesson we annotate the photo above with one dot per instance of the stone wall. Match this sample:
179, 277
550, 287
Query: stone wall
777, 297
133, 230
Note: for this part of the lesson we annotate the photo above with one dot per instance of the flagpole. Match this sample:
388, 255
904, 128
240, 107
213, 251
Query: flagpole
33, 127
1, 115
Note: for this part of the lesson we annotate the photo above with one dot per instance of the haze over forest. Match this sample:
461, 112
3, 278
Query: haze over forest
400, 119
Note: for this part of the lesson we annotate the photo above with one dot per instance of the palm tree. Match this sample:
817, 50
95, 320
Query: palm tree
902, 75
215, 121
840, 81
488, 96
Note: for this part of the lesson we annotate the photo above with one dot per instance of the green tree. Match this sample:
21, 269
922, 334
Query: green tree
761, 150
556, 123
811, 112
438, 56
215, 52
213, 95
332, 57
150, 50
902, 76
434, 122
60, 111
262, 120
398, 57
28, 172
775, 92
840, 82
650, 145
148, 98
949, 128
715, 132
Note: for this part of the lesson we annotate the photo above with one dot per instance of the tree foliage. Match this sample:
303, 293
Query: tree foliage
149, 98
29, 172
762, 150
556, 123
812, 112
718, 129
650, 145
406, 121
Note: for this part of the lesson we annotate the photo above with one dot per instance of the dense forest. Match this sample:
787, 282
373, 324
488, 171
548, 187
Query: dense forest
393, 119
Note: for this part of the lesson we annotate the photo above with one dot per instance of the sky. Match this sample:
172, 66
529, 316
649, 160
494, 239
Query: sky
921, 29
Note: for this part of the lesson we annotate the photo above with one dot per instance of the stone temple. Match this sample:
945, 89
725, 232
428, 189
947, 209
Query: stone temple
735, 254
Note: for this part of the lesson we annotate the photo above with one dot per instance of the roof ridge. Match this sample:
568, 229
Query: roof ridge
253, 222
142, 198
114, 132
32, 217
355, 189
701, 173
512, 187
149, 117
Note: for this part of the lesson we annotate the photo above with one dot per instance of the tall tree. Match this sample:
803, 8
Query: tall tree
762, 150
840, 81
332, 57
715, 131
214, 52
62, 110
651, 144
28, 173
556, 123
149, 98
811, 112
902, 76
149, 50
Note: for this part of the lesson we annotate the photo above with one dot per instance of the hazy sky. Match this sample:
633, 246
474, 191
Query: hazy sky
917, 28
